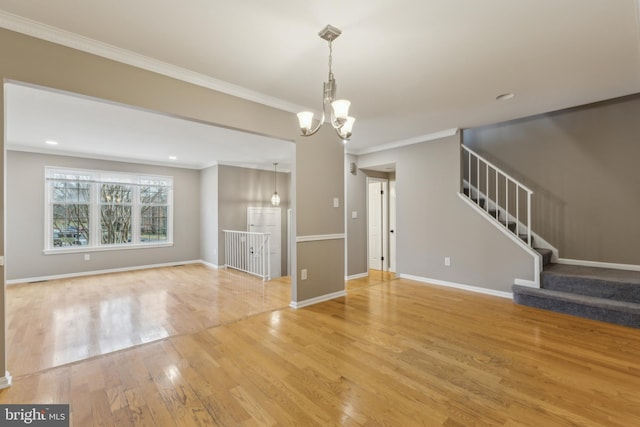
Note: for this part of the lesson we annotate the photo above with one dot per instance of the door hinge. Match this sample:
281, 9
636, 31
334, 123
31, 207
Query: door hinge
381, 191
381, 258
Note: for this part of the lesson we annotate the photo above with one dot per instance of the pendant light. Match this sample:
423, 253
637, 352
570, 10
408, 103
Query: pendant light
275, 199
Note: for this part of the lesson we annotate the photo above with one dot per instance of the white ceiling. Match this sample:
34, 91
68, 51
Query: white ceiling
410, 67
98, 129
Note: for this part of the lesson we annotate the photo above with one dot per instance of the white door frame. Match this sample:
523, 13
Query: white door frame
392, 225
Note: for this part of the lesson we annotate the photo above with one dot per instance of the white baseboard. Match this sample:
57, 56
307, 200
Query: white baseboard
95, 272
527, 283
630, 267
6, 381
316, 300
356, 276
470, 288
208, 264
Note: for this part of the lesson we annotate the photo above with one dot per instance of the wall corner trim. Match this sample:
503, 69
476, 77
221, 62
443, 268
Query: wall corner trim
316, 300
6, 381
470, 288
319, 237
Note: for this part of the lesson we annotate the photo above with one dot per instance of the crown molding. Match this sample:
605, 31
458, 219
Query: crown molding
65, 38
94, 156
410, 141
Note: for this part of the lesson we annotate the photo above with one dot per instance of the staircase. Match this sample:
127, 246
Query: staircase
502, 198
512, 226
603, 294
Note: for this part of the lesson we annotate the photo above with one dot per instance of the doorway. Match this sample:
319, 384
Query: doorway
378, 223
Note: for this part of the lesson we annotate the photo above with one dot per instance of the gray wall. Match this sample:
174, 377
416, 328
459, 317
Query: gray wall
356, 227
25, 214
209, 215
240, 188
582, 164
320, 159
433, 222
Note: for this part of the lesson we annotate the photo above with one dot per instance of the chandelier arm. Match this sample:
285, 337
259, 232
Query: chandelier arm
317, 128
335, 122
344, 136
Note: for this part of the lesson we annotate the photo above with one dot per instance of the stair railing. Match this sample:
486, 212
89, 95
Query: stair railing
248, 251
496, 192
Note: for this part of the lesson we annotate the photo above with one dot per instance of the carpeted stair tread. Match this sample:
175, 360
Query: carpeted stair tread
511, 225
546, 255
602, 309
609, 274
617, 285
524, 237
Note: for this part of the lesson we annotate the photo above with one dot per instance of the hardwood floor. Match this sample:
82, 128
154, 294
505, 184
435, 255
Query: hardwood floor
392, 352
79, 318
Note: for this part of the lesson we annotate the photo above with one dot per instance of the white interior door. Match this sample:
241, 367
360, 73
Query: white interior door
267, 220
378, 224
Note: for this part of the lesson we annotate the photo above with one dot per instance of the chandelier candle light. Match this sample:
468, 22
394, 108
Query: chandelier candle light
340, 119
275, 199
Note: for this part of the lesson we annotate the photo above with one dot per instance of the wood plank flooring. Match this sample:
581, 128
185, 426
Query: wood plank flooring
392, 352
62, 321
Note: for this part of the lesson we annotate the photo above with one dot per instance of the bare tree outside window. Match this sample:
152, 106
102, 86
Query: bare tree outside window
71, 196
98, 208
154, 197
115, 213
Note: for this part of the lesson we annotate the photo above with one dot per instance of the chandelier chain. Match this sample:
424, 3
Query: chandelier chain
330, 59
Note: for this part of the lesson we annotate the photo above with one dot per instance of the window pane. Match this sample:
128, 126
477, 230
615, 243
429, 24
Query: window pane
115, 193
115, 221
70, 225
71, 191
153, 195
153, 224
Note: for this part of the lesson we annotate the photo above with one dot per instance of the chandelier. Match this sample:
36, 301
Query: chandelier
339, 108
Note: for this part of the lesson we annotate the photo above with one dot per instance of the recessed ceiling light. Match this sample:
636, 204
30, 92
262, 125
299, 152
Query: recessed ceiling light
173, 158
50, 142
505, 96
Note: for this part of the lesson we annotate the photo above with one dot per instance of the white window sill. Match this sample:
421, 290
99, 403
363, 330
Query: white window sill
85, 249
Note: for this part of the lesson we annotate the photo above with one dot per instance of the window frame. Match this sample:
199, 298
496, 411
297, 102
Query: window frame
97, 179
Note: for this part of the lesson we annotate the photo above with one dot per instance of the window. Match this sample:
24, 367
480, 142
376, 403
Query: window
106, 210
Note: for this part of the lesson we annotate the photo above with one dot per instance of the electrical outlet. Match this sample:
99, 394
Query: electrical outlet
447, 261
303, 274
87, 257
336, 202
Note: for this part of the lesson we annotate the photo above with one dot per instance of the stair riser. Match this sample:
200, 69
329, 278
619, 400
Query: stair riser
546, 258
628, 292
586, 311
